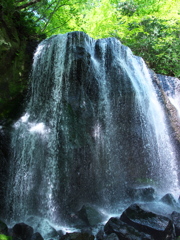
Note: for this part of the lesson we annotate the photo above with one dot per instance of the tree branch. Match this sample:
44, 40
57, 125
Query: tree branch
32, 2
17, 1
55, 9
58, 26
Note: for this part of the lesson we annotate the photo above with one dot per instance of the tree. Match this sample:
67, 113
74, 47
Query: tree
150, 28
43, 16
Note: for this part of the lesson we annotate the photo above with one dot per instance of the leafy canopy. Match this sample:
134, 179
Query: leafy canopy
151, 28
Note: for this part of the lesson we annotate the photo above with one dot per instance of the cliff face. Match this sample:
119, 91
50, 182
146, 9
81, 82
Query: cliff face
16, 51
169, 89
94, 126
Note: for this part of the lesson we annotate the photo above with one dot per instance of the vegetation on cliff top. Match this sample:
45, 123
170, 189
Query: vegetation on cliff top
150, 28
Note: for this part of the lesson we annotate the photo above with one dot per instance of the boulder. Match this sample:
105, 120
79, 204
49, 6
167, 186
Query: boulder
42, 226
46, 229
22, 231
112, 236
176, 221
142, 194
77, 236
90, 215
124, 231
159, 227
36, 236
169, 199
60, 233
100, 235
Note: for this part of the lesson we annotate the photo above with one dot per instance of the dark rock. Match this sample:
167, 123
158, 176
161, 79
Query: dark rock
142, 193
10, 233
90, 215
86, 230
100, 235
160, 227
23, 231
169, 199
46, 229
77, 236
3, 228
112, 236
124, 231
16, 238
37, 236
176, 221
60, 233
42, 226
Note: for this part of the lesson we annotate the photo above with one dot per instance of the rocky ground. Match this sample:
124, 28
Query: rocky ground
146, 219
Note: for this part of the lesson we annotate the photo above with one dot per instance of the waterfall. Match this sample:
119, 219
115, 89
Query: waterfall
172, 88
93, 127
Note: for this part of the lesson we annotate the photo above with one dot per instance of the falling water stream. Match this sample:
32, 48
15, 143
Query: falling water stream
93, 127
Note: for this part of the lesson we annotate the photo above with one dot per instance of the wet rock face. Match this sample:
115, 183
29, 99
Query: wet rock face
124, 231
135, 223
90, 215
169, 89
141, 194
159, 227
176, 221
77, 236
169, 199
93, 125
36, 236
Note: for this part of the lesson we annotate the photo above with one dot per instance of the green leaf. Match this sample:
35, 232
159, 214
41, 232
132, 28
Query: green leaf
4, 237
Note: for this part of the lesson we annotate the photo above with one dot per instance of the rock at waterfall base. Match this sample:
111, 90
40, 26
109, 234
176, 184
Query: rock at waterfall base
22, 231
176, 221
37, 236
90, 215
169, 199
124, 231
77, 236
159, 227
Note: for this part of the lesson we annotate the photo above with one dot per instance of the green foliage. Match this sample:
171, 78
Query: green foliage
63, 17
43, 16
98, 19
157, 41
127, 8
4, 237
13, 18
150, 28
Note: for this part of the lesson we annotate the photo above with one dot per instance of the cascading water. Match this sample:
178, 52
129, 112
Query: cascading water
92, 128
172, 88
